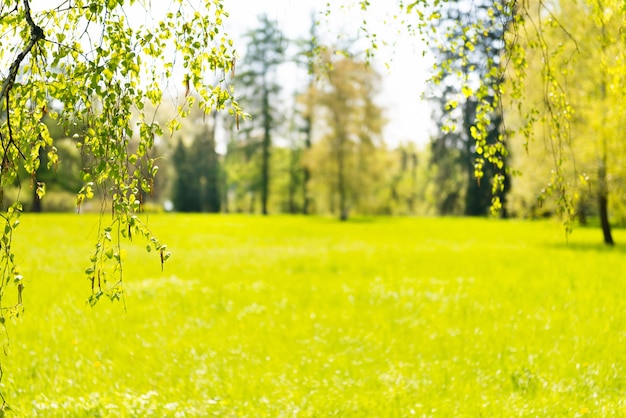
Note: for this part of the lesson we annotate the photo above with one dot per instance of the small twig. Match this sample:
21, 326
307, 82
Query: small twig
11, 141
13, 10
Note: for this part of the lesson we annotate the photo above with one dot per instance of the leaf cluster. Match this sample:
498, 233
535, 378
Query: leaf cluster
88, 64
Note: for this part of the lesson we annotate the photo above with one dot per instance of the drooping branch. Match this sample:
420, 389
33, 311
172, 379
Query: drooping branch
36, 34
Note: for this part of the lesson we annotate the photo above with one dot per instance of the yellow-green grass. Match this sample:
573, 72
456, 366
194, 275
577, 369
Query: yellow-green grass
295, 316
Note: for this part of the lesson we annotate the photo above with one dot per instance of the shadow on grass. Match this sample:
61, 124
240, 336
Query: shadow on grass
588, 247
354, 219
361, 220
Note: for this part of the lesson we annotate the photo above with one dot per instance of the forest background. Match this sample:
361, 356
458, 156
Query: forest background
316, 140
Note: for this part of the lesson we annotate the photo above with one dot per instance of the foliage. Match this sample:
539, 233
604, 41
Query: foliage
575, 44
370, 317
404, 182
287, 178
467, 39
99, 69
447, 188
241, 179
344, 159
576, 52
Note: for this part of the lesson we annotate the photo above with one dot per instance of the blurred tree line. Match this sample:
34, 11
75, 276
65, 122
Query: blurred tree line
320, 148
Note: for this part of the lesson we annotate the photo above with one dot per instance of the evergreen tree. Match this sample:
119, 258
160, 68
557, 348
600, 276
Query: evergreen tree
259, 83
187, 184
197, 186
205, 160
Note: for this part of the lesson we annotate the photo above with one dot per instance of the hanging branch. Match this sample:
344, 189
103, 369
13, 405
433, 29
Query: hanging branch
36, 34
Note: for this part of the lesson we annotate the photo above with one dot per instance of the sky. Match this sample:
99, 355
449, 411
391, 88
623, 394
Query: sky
404, 80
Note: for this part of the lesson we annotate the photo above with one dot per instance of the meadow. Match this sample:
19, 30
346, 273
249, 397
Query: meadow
293, 316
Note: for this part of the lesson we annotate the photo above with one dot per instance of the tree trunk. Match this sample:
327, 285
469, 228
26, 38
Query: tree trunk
36, 200
293, 182
306, 172
603, 205
343, 201
413, 195
340, 141
252, 203
265, 163
603, 186
306, 200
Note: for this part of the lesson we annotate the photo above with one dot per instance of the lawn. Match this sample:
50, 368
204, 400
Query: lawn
294, 316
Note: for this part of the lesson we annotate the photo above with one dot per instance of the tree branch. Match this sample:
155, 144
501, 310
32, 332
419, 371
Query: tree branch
13, 10
36, 34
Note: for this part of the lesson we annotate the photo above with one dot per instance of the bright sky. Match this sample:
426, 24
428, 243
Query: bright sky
403, 82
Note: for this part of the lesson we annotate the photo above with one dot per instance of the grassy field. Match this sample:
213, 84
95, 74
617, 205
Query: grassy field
292, 316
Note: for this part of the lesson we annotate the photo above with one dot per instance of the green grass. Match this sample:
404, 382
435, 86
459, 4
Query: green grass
293, 316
